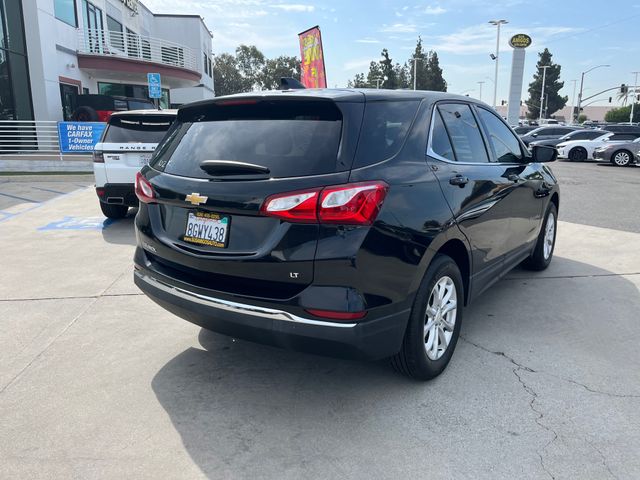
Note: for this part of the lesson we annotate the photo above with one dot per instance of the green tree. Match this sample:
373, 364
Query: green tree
622, 114
251, 62
389, 73
276, 68
419, 69
435, 80
553, 100
358, 81
226, 75
375, 72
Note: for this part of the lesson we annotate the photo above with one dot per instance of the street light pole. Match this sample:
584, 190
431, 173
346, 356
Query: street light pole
415, 61
544, 76
497, 23
573, 99
633, 99
480, 85
581, 85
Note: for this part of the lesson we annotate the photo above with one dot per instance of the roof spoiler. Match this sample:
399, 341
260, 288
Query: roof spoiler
290, 83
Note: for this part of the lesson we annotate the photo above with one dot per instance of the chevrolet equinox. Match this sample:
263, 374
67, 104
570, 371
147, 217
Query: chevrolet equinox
355, 223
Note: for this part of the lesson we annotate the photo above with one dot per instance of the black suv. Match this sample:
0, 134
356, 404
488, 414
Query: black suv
354, 223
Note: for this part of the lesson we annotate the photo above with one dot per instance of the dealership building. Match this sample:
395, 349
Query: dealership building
53, 50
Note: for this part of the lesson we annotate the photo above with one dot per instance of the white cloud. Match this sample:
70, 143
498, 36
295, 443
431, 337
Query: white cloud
434, 10
294, 7
399, 28
367, 40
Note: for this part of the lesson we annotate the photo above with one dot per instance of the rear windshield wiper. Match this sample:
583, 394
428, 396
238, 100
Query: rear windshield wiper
230, 167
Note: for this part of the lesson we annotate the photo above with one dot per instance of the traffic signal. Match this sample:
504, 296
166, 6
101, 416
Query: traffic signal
609, 99
624, 89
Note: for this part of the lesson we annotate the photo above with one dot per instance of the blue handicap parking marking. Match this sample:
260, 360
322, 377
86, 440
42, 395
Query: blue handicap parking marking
79, 223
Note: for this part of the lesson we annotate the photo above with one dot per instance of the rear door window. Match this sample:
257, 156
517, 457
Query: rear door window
291, 139
384, 130
464, 132
137, 128
440, 143
505, 144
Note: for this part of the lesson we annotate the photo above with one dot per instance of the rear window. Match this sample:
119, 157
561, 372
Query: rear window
138, 129
384, 129
291, 139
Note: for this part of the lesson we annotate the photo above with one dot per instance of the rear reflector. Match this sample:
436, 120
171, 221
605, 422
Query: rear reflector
333, 315
100, 191
350, 204
144, 190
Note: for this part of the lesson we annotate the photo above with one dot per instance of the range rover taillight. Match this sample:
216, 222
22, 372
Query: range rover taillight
144, 190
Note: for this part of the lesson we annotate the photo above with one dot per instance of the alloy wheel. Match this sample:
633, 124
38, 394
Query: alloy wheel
549, 236
621, 159
440, 318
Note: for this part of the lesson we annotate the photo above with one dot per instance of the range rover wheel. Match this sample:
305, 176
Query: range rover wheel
434, 324
543, 252
622, 158
113, 211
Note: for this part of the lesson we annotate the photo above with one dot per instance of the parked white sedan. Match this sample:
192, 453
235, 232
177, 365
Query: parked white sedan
581, 150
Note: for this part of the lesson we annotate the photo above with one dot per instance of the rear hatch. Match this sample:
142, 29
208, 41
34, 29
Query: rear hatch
214, 171
129, 142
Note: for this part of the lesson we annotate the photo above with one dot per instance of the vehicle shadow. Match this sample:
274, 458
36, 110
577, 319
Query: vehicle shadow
244, 410
121, 232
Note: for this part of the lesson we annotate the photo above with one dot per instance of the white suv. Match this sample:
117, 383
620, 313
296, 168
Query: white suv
125, 147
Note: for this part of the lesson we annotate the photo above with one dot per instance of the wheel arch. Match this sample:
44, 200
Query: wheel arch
457, 251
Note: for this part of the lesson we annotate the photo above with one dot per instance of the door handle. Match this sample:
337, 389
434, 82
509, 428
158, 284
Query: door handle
459, 180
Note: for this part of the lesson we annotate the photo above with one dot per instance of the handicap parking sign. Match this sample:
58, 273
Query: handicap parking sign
155, 85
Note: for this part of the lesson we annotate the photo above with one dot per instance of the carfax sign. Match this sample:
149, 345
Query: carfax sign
79, 137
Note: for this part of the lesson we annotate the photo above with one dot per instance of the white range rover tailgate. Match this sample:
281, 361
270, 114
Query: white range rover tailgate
129, 141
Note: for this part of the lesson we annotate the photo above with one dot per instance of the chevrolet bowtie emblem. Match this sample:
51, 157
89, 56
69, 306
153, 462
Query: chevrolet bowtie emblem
195, 198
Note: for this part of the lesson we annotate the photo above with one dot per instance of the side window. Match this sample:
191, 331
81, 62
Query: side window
504, 143
440, 143
464, 132
624, 136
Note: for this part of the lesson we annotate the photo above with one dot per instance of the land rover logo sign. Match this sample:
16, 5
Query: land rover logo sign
131, 5
520, 40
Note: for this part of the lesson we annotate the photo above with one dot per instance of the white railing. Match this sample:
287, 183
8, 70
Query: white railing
132, 45
29, 137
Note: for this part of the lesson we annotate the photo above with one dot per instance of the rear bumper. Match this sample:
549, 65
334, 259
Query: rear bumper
118, 194
378, 336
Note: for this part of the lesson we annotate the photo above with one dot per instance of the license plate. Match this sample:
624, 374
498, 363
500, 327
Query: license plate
144, 159
207, 229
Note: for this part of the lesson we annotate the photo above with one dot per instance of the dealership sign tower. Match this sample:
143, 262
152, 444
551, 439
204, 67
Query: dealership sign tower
519, 43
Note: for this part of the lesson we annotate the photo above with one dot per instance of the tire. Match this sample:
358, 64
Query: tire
577, 154
543, 251
416, 359
114, 211
622, 158
85, 114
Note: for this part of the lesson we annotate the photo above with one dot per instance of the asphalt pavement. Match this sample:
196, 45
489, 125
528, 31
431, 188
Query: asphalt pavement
96, 381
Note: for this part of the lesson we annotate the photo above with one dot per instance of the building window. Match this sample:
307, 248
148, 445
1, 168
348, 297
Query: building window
65, 10
92, 16
206, 63
15, 92
210, 68
115, 33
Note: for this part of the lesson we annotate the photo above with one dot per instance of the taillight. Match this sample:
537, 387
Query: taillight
98, 157
293, 206
144, 190
350, 204
354, 204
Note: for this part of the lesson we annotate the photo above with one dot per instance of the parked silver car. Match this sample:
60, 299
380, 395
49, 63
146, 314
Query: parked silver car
619, 154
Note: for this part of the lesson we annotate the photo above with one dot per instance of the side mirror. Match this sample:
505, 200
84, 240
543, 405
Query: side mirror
534, 134
543, 154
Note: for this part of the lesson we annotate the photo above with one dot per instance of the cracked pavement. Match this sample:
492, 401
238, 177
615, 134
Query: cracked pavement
96, 381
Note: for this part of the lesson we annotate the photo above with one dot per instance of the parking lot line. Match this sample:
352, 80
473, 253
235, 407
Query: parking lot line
19, 198
38, 204
48, 190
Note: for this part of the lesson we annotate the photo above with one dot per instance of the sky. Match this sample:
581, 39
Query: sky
579, 34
